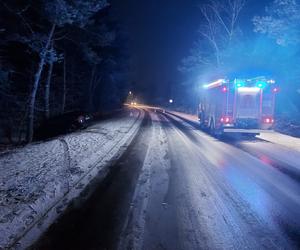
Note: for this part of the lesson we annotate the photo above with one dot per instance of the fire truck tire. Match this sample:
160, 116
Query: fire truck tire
212, 129
202, 126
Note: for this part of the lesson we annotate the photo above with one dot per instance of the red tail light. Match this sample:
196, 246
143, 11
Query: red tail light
225, 119
268, 120
224, 89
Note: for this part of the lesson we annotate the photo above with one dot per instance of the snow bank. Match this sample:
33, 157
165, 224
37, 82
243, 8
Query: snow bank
274, 137
289, 126
39, 181
282, 139
189, 117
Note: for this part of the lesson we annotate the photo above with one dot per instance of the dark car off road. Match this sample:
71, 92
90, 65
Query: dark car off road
62, 124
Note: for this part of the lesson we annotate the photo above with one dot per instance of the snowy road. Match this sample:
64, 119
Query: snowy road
176, 187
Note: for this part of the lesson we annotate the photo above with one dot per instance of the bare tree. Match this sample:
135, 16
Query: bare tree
210, 30
63, 106
37, 77
221, 24
60, 13
52, 59
227, 14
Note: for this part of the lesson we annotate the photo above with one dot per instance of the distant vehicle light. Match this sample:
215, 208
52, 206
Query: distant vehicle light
275, 90
171, 101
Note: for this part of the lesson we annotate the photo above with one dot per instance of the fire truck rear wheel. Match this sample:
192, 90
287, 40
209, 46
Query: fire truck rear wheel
212, 129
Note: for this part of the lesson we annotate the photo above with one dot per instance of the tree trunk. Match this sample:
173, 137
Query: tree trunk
47, 89
91, 94
36, 85
217, 54
64, 86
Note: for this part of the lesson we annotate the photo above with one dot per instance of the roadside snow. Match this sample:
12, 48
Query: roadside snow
190, 117
282, 139
271, 153
39, 181
274, 137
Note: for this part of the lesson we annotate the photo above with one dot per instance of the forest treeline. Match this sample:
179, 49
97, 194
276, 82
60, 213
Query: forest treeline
56, 57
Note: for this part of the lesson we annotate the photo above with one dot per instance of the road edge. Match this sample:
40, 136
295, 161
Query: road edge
101, 167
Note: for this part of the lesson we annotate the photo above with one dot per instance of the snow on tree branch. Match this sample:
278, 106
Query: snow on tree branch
281, 23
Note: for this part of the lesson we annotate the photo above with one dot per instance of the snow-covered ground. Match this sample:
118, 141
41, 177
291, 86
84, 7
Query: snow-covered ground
190, 117
282, 139
274, 137
289, 126
38, 181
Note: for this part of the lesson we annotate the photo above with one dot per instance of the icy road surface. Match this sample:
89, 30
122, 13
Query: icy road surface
176, 187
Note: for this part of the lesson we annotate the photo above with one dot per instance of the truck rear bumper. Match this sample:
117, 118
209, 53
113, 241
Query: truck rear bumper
246, 131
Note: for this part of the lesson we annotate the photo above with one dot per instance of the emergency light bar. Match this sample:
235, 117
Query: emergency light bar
214, 84
243, 85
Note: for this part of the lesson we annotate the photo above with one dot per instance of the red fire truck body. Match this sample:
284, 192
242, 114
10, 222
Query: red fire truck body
238, 106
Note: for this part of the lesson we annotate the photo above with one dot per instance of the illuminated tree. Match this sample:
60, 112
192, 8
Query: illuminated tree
281, 23
217, 33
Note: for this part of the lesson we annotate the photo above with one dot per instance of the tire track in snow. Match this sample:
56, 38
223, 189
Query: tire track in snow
133, 232
66, 152
67, 160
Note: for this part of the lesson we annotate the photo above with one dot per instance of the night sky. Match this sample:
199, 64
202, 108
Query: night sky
161, 34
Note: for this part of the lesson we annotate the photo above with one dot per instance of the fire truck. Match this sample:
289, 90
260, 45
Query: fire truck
238, 106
